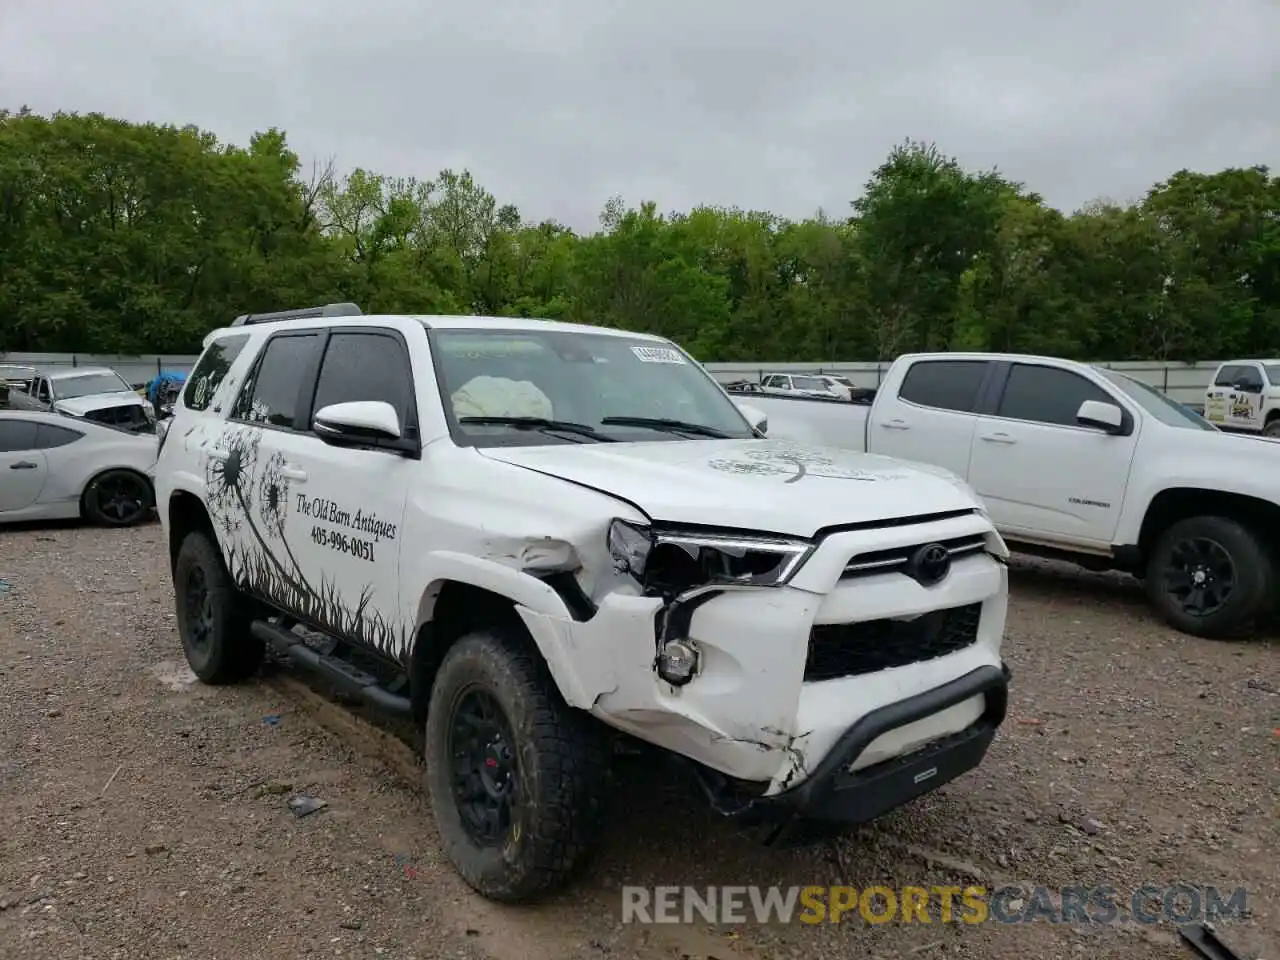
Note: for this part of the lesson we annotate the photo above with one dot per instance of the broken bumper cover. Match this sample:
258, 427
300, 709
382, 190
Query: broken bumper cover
833, 793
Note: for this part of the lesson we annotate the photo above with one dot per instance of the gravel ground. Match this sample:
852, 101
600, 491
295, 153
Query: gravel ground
143, 816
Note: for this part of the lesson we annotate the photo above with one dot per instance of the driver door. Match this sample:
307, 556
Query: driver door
1244, 403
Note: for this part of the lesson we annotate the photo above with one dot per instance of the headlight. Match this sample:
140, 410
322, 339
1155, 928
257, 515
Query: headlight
676, 560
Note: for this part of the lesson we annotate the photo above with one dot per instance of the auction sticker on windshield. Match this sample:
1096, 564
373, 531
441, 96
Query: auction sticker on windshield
657, 355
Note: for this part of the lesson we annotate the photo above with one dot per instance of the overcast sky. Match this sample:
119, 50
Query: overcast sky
785, 106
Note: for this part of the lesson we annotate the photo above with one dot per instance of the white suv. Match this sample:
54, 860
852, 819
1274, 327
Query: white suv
530, 535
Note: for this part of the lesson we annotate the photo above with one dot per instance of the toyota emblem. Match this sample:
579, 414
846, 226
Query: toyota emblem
930, 564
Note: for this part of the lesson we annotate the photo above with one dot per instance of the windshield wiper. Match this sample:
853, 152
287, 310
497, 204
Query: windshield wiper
542, 423
668, 426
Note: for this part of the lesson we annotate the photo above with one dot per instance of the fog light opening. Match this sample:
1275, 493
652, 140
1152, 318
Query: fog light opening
677, 662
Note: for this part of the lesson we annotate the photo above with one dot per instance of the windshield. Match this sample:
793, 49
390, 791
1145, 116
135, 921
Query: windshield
582, 379
808, 383
87, 384
1169, 412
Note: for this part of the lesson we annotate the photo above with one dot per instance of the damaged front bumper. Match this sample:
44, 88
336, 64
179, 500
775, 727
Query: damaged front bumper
838, 792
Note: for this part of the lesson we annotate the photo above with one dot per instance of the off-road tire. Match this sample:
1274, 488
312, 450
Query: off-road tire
231, 652
1254, 572
93, 506
562, 766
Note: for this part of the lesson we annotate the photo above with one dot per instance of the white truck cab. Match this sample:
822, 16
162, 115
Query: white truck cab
537, 534
1244, 397
1083, 463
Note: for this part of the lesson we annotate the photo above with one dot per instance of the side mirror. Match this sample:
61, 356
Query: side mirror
1105, 416
367, 423
758, 420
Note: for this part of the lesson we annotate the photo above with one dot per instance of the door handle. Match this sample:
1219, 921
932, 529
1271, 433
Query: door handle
22, 465
896, 425
294, 474
998, 438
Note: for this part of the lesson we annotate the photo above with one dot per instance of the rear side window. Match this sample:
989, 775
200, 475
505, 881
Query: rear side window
48, 436
365, 366
211, 370
1047, 395
17, 435
944, 384
270, 395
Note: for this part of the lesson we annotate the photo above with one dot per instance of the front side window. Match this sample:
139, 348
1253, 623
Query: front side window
1227, 376
944, 384
210, 370
270, 394
607, 387
89, 384
17, 435
365, 366
809, 383
1047, 395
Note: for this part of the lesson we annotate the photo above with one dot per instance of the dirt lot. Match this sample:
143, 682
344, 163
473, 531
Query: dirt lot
142, 816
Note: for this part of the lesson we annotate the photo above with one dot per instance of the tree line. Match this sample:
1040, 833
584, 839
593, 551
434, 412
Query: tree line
119, 237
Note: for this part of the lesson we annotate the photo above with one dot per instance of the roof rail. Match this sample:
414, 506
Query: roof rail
302, 313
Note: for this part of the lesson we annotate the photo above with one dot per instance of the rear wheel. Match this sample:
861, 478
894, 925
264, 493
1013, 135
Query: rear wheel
1210, 577
118, 498
515, 774
213, 617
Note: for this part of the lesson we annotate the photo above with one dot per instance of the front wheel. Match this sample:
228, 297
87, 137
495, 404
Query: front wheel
1210, 577
515, 774
1272, 429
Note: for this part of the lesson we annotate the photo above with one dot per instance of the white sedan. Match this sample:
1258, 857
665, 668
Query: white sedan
55, 467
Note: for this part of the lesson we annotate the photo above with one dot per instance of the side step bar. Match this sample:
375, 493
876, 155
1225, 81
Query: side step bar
342, 674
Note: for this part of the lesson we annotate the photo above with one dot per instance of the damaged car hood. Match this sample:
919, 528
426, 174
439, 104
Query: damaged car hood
79, 406
770, 485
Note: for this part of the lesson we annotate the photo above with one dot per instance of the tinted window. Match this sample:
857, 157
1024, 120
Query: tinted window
365, 366
1227, 376
1047, 394
1249, 376
49, 436
211, 370
270, 395
17, 435
808, 383
945, 384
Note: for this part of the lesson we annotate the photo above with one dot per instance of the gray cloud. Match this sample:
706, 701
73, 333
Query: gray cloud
558, 105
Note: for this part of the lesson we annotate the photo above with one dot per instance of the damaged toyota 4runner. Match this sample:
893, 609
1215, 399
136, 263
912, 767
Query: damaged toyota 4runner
537, 538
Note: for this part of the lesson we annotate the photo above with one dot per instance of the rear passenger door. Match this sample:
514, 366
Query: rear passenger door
931, 417
346, 504
1042, 474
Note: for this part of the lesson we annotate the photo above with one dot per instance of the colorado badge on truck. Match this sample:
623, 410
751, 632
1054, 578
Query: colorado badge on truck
531, 535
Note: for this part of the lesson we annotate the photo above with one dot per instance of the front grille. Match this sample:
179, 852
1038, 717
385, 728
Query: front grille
853, 649
897, 558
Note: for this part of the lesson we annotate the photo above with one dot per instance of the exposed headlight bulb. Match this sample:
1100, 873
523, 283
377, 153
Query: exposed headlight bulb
678, 662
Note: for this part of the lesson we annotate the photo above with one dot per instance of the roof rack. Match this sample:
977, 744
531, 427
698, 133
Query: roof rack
302, 313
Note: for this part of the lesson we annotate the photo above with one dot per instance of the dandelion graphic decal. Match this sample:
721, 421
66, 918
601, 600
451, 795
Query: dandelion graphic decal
794, 463
273, 497
248, 498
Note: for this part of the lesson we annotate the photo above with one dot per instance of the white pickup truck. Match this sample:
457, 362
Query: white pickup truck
1082, 463
1244, 397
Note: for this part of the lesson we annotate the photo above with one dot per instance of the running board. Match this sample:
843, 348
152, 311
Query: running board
342, 674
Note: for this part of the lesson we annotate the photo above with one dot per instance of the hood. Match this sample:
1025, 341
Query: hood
79, 406
765, 485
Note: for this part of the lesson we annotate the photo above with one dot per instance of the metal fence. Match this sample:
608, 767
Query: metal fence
1185, 382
